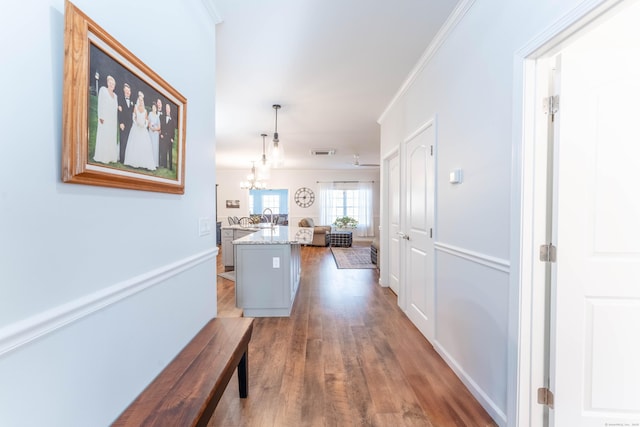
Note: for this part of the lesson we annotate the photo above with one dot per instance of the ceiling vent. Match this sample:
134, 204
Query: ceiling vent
323, 152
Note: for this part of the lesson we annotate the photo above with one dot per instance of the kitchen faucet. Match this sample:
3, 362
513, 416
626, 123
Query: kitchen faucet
270, 215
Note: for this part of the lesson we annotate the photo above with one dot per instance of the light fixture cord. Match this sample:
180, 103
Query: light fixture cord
275, 134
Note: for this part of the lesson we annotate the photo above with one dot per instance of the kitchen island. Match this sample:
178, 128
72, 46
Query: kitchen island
267, 264
229, 234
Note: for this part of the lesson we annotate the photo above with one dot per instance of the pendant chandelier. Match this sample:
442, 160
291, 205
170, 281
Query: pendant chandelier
263, 167
252, 182
276, 151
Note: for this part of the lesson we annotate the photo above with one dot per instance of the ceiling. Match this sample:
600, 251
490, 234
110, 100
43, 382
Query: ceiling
334, 66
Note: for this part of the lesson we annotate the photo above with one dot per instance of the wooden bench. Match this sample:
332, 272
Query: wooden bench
187, 391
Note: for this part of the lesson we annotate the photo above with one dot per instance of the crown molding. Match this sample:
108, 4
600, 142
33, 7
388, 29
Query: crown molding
210, 6
452, 21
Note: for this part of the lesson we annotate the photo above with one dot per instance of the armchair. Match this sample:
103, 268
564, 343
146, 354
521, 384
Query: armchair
320, 232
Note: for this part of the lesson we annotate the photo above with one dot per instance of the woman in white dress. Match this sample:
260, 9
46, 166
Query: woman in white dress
154, 131
107, 133
139, 153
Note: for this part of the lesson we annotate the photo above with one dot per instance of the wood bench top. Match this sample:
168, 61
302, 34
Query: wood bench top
187, 391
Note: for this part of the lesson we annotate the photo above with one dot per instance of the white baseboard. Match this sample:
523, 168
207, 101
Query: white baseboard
489, 405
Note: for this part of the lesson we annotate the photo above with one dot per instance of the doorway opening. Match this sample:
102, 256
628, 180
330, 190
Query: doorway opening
579, 310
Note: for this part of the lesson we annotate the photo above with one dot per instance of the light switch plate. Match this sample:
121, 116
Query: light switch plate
455, 176
204, 226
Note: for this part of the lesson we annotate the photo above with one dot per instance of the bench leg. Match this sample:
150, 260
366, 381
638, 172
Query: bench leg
243, 376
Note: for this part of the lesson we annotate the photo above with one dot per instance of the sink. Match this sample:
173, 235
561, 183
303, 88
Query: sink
265, 225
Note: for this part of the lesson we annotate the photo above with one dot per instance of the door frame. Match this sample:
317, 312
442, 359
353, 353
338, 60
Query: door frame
526, 302
384, 255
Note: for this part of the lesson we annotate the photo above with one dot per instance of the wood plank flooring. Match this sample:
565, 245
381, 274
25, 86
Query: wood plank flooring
347, 356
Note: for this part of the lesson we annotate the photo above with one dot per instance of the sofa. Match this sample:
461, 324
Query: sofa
321, 233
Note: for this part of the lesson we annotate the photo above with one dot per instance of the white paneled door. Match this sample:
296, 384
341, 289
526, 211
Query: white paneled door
418, 225
595, 334
393, 197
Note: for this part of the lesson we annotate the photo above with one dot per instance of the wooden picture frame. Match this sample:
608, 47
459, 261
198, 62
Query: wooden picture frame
97, 67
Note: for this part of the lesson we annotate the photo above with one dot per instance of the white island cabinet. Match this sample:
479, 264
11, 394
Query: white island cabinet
229, 234
268, 271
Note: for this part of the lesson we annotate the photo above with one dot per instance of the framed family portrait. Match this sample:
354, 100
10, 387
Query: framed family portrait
123, 125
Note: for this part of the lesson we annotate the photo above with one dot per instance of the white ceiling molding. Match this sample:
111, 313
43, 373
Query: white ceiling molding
210, 6
456, 16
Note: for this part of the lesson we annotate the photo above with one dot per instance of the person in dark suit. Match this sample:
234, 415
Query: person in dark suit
167, 135
161, 117
125, 118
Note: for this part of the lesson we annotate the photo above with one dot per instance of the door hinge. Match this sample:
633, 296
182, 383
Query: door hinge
545, 397
548, 253
551, 104
431, 233
432, 150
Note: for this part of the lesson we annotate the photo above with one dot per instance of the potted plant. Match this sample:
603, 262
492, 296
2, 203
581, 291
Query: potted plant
345, 222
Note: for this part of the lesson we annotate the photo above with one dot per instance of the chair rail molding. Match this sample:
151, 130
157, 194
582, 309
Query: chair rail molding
32, 328
495, 263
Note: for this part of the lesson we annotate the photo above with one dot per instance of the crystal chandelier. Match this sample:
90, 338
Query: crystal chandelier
252, 182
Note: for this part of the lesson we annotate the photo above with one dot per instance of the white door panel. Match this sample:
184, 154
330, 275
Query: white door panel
595, 346
419, 296
417, 184
393, 197
418, 223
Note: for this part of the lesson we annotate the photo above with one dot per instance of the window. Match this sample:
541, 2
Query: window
345, 203
352, 199
251, 204
271, 201
276, 200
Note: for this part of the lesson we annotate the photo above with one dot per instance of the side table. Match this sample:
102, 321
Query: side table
341, 238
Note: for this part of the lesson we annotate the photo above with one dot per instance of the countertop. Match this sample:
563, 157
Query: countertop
277, 235
239, 227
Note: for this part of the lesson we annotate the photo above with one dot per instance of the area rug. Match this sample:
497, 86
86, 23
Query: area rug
353, 257
229, 275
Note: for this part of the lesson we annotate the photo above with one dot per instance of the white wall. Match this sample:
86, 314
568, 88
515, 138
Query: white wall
229, 189
99, 287
468, 86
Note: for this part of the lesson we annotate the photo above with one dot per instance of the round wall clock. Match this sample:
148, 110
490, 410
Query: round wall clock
304, 197
304, 235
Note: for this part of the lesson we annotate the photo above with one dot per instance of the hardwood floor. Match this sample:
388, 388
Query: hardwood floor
347, 356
